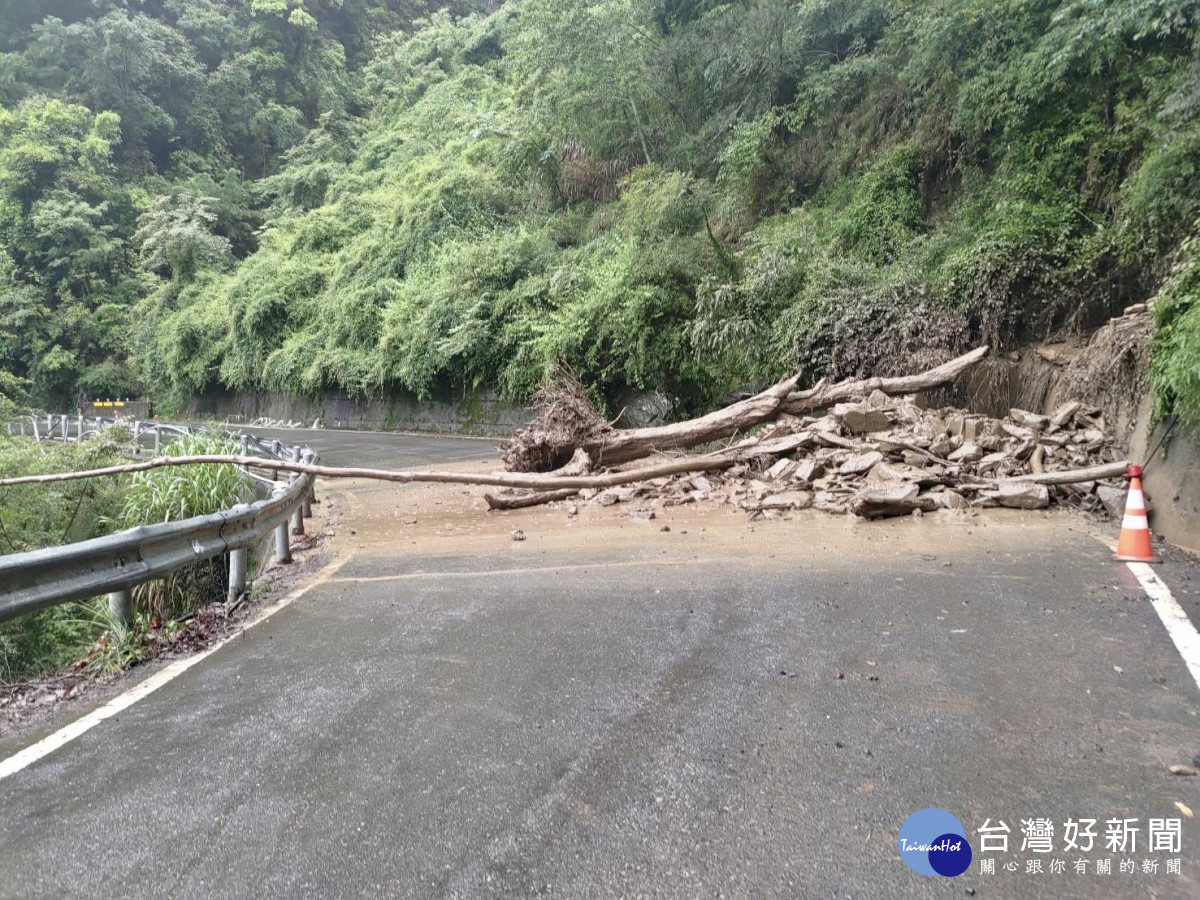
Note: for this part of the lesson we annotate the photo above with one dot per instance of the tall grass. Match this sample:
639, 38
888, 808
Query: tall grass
171, 494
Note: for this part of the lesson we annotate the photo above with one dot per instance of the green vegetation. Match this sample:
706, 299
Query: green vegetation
41, 515
679, 195
140, 139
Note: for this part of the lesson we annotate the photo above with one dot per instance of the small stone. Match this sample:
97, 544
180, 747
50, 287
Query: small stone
878, 399
807, 471
991, 461
1030, 420
885, 471
860, 463
781, 470
1113, 499
949, 499
966, 453
787, 500
518, 535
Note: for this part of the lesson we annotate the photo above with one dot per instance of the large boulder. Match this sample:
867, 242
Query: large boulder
1020, 495
878, 501
861, 418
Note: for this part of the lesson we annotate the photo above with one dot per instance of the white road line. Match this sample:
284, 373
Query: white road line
68, 733
1176, 621
534, 570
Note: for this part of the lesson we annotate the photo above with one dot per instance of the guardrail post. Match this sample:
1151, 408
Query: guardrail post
298, 512
120, 606
37, 437
298, 520
310, 496
237, 574
137, 433
283, 550
157, 440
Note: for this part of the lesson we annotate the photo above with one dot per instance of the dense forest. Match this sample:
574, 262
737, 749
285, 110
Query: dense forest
687, 196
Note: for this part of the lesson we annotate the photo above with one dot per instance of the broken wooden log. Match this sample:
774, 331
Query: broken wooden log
821, 395
1075, 476
536, 498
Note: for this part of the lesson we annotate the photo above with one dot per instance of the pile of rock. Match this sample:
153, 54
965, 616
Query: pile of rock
888, 456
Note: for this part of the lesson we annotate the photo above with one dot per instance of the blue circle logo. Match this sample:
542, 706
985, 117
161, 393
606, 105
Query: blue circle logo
933, 842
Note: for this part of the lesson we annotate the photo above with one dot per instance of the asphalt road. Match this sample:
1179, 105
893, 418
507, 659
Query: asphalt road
704, 712
379, 449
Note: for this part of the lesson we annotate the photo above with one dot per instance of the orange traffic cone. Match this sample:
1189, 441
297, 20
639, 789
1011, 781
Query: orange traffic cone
1134, 545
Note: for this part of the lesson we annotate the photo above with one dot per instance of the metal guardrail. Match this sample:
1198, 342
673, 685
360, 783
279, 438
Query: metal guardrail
116, 563
74, 428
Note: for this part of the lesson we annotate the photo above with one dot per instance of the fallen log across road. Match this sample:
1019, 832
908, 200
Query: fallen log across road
742, 452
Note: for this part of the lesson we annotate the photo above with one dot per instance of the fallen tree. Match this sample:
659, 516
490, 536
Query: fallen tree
549, 441
822, 395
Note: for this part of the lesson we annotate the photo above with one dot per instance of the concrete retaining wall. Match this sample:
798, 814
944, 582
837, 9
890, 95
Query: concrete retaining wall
395, 411
1171, 480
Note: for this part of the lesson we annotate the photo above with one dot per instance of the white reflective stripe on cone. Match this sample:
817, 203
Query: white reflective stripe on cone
1135, 500
1138, 522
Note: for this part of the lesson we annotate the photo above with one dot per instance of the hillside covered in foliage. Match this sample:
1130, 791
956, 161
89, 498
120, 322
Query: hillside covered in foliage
680, 195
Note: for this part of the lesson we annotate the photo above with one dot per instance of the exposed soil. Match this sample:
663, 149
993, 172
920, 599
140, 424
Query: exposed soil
438, 519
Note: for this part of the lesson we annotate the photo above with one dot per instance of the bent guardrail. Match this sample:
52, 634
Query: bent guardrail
116, 563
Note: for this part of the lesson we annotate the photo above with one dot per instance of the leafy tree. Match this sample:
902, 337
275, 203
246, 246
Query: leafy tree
177, 235
683, 195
